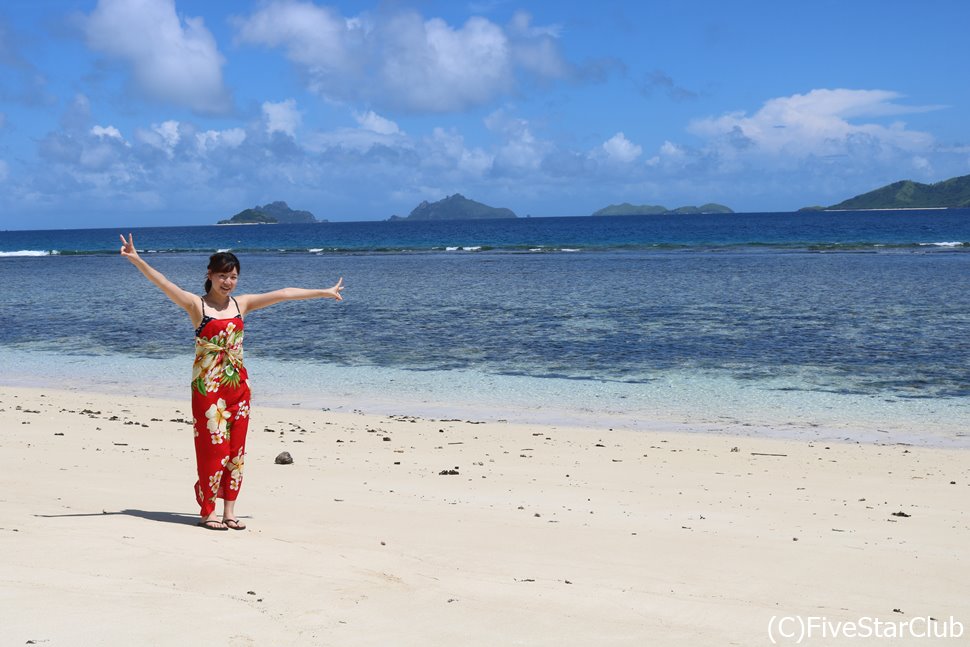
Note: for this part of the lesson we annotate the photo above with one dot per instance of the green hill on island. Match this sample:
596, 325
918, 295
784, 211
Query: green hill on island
952, 193
270, 214
455, 207
627, 209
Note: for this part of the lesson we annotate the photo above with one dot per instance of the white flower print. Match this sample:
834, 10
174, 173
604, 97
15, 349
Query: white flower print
214, 481
213, 377
235, 468
218, 423
243, 411
202, 364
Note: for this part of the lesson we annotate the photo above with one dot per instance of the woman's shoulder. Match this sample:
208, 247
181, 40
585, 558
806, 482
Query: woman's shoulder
242, 302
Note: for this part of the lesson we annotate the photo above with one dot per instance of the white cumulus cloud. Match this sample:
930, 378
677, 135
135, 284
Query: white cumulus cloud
401, 60
212, 139
164, 136
315, 37
283, 117
621, 149
431, 66
171, 59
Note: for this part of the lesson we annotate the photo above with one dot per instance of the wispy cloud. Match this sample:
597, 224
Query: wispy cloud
820, 122
27, 84
372, 121
659, 80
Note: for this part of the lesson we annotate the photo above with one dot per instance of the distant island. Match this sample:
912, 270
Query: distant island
953, 194
270, 214
627, 209
455, 207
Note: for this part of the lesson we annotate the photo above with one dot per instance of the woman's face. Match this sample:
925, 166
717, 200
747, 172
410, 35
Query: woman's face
223, 282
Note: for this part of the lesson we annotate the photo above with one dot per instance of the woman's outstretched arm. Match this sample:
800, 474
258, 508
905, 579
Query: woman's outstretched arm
250, 302
182, 298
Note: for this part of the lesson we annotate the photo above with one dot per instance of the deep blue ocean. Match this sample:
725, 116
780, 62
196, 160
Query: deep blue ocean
867, 303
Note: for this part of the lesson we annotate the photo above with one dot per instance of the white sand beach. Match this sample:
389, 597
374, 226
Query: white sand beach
547, 535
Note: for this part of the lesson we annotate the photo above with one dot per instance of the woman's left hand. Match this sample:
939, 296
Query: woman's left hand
336, 290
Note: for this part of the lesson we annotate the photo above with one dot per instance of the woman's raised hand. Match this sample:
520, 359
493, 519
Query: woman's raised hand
336, 290
128, 247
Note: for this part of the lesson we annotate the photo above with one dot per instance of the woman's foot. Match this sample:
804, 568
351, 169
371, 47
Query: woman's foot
229, 515
213, 524
234, 524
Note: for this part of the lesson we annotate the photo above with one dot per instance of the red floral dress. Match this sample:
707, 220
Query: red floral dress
220, 409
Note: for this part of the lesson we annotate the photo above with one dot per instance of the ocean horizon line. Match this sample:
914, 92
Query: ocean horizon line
676, 216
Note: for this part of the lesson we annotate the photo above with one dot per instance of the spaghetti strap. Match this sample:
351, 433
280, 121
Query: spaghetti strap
206, 318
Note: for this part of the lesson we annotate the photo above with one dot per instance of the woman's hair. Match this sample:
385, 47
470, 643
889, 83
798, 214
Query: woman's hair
221, 262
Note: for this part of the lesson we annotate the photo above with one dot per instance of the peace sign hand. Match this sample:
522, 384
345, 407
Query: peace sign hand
128, 248
336, 290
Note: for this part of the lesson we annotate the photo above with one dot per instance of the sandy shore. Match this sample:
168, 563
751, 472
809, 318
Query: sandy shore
545, 536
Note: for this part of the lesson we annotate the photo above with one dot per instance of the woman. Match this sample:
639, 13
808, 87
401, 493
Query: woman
220, 388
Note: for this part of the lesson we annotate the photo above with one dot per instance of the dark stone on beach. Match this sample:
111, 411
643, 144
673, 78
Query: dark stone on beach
284, 459
900, 514
448, 473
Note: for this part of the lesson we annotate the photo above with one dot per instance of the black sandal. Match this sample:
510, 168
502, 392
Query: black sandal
234, 524
209, 524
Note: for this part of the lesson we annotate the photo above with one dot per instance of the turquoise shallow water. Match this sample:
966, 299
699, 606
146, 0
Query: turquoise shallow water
683, 401
856, 322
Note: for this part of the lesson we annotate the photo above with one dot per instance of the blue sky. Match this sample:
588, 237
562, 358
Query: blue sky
156, 112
